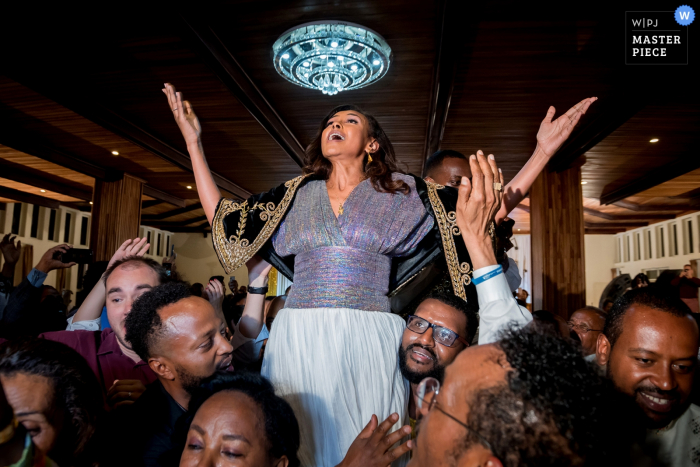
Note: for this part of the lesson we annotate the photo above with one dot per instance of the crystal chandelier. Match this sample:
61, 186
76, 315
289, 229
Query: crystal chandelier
331, 57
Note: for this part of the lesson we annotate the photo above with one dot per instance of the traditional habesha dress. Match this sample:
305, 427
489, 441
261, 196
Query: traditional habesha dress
333, 351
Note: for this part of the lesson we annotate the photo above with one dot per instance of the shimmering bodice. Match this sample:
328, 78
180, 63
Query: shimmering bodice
345, 262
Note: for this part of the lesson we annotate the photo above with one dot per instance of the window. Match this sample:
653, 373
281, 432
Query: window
16, 218
148, 240
34, 230
638, 247
627, 249
675, 240
66, 228
648, 244
661, 242
167, 245
83, 230
691, 240
158, 246
52, 225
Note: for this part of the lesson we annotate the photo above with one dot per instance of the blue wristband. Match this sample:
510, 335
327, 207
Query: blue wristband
488, 275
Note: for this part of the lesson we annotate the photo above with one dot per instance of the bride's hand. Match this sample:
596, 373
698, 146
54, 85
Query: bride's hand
552, 134
258, 269
184, 115
477, 204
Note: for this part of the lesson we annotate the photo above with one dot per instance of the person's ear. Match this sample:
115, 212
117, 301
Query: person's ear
602, 350
161, 368
282, 462
493, 461
372, 147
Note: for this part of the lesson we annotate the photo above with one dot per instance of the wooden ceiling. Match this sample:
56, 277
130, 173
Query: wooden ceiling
463, 77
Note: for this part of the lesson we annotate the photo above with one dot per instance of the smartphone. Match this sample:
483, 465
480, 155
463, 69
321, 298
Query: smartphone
74, 255
168, 268
218, 278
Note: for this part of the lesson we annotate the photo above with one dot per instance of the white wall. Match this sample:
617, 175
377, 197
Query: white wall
41, 242
600, 260
197, 261
655, 247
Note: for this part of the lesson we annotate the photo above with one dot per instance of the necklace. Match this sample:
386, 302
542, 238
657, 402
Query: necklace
340, 203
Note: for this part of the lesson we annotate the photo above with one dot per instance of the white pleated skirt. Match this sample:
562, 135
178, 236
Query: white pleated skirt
336, 367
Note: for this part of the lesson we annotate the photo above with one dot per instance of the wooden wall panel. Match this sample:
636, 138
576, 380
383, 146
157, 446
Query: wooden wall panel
116, 215
557, 229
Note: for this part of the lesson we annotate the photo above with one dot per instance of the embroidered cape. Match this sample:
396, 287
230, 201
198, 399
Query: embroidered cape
242, 229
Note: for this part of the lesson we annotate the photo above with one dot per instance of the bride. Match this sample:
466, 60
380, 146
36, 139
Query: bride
350, 230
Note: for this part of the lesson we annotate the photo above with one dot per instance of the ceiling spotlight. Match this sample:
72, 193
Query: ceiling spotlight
43, 191
518, 230
115, 153
90, 202
584, 183
655, 140
189, 187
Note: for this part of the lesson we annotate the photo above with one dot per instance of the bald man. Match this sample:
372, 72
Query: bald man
588, 323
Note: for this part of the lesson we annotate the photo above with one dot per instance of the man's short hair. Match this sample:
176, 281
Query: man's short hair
140, 260
468, 310
436, 159
652, 297
143, 324
75, 387
595, 310
553, 409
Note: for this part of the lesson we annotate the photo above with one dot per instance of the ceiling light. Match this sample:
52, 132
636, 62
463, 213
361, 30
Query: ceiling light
359, 56
90, 202
655, 140
189, 187
518, 230
115, 153
584, 183
43, 191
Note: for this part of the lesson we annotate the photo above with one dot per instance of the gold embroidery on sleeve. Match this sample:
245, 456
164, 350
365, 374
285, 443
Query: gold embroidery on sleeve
233, 252
447, 223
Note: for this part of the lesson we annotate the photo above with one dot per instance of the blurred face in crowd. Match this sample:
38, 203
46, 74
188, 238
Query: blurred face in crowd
439, 436
32, 400
228, 430
450, 172
607, 306
420, 356
588, 325
688, 271
194, 345
126, 283
653, 361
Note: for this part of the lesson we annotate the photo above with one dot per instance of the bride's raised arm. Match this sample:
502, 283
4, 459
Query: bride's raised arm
188, 122
550, 137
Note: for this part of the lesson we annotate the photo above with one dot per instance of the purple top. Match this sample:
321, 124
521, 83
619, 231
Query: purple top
345, 262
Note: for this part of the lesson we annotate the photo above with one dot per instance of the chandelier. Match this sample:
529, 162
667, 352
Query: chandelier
331, 57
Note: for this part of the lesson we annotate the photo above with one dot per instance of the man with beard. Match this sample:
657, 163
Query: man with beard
183, 340
649, 346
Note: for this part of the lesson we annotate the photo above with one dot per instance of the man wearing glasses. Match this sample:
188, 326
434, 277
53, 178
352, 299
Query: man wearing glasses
588, 323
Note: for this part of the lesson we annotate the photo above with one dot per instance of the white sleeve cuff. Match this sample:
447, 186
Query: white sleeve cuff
86, 325
492, 289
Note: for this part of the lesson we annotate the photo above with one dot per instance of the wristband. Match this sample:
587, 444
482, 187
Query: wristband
488, 275
258, 290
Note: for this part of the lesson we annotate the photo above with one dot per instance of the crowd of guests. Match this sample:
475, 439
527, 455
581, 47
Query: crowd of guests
150, 370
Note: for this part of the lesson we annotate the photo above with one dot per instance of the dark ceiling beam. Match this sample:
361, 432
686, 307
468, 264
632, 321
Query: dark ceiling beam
22, 197
39, 179
611, 115
174, 212
686, 163
163, 196
692, 194
625, 217
614, 225
150, 203
452, 36
602, 231
26, 143
83, 207
215, 54
84, 104
652, 207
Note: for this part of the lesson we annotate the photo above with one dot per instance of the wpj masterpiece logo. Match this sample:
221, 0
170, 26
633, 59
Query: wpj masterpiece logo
657, 37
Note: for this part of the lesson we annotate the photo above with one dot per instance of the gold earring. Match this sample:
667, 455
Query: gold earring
369, 157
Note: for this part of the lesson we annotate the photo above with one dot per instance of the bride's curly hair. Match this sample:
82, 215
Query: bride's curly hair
383, 160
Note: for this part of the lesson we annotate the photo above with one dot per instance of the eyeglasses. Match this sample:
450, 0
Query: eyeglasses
581, 327
441, 335
427, 392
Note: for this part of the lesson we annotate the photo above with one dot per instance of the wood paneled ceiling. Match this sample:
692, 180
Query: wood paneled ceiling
463, 77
